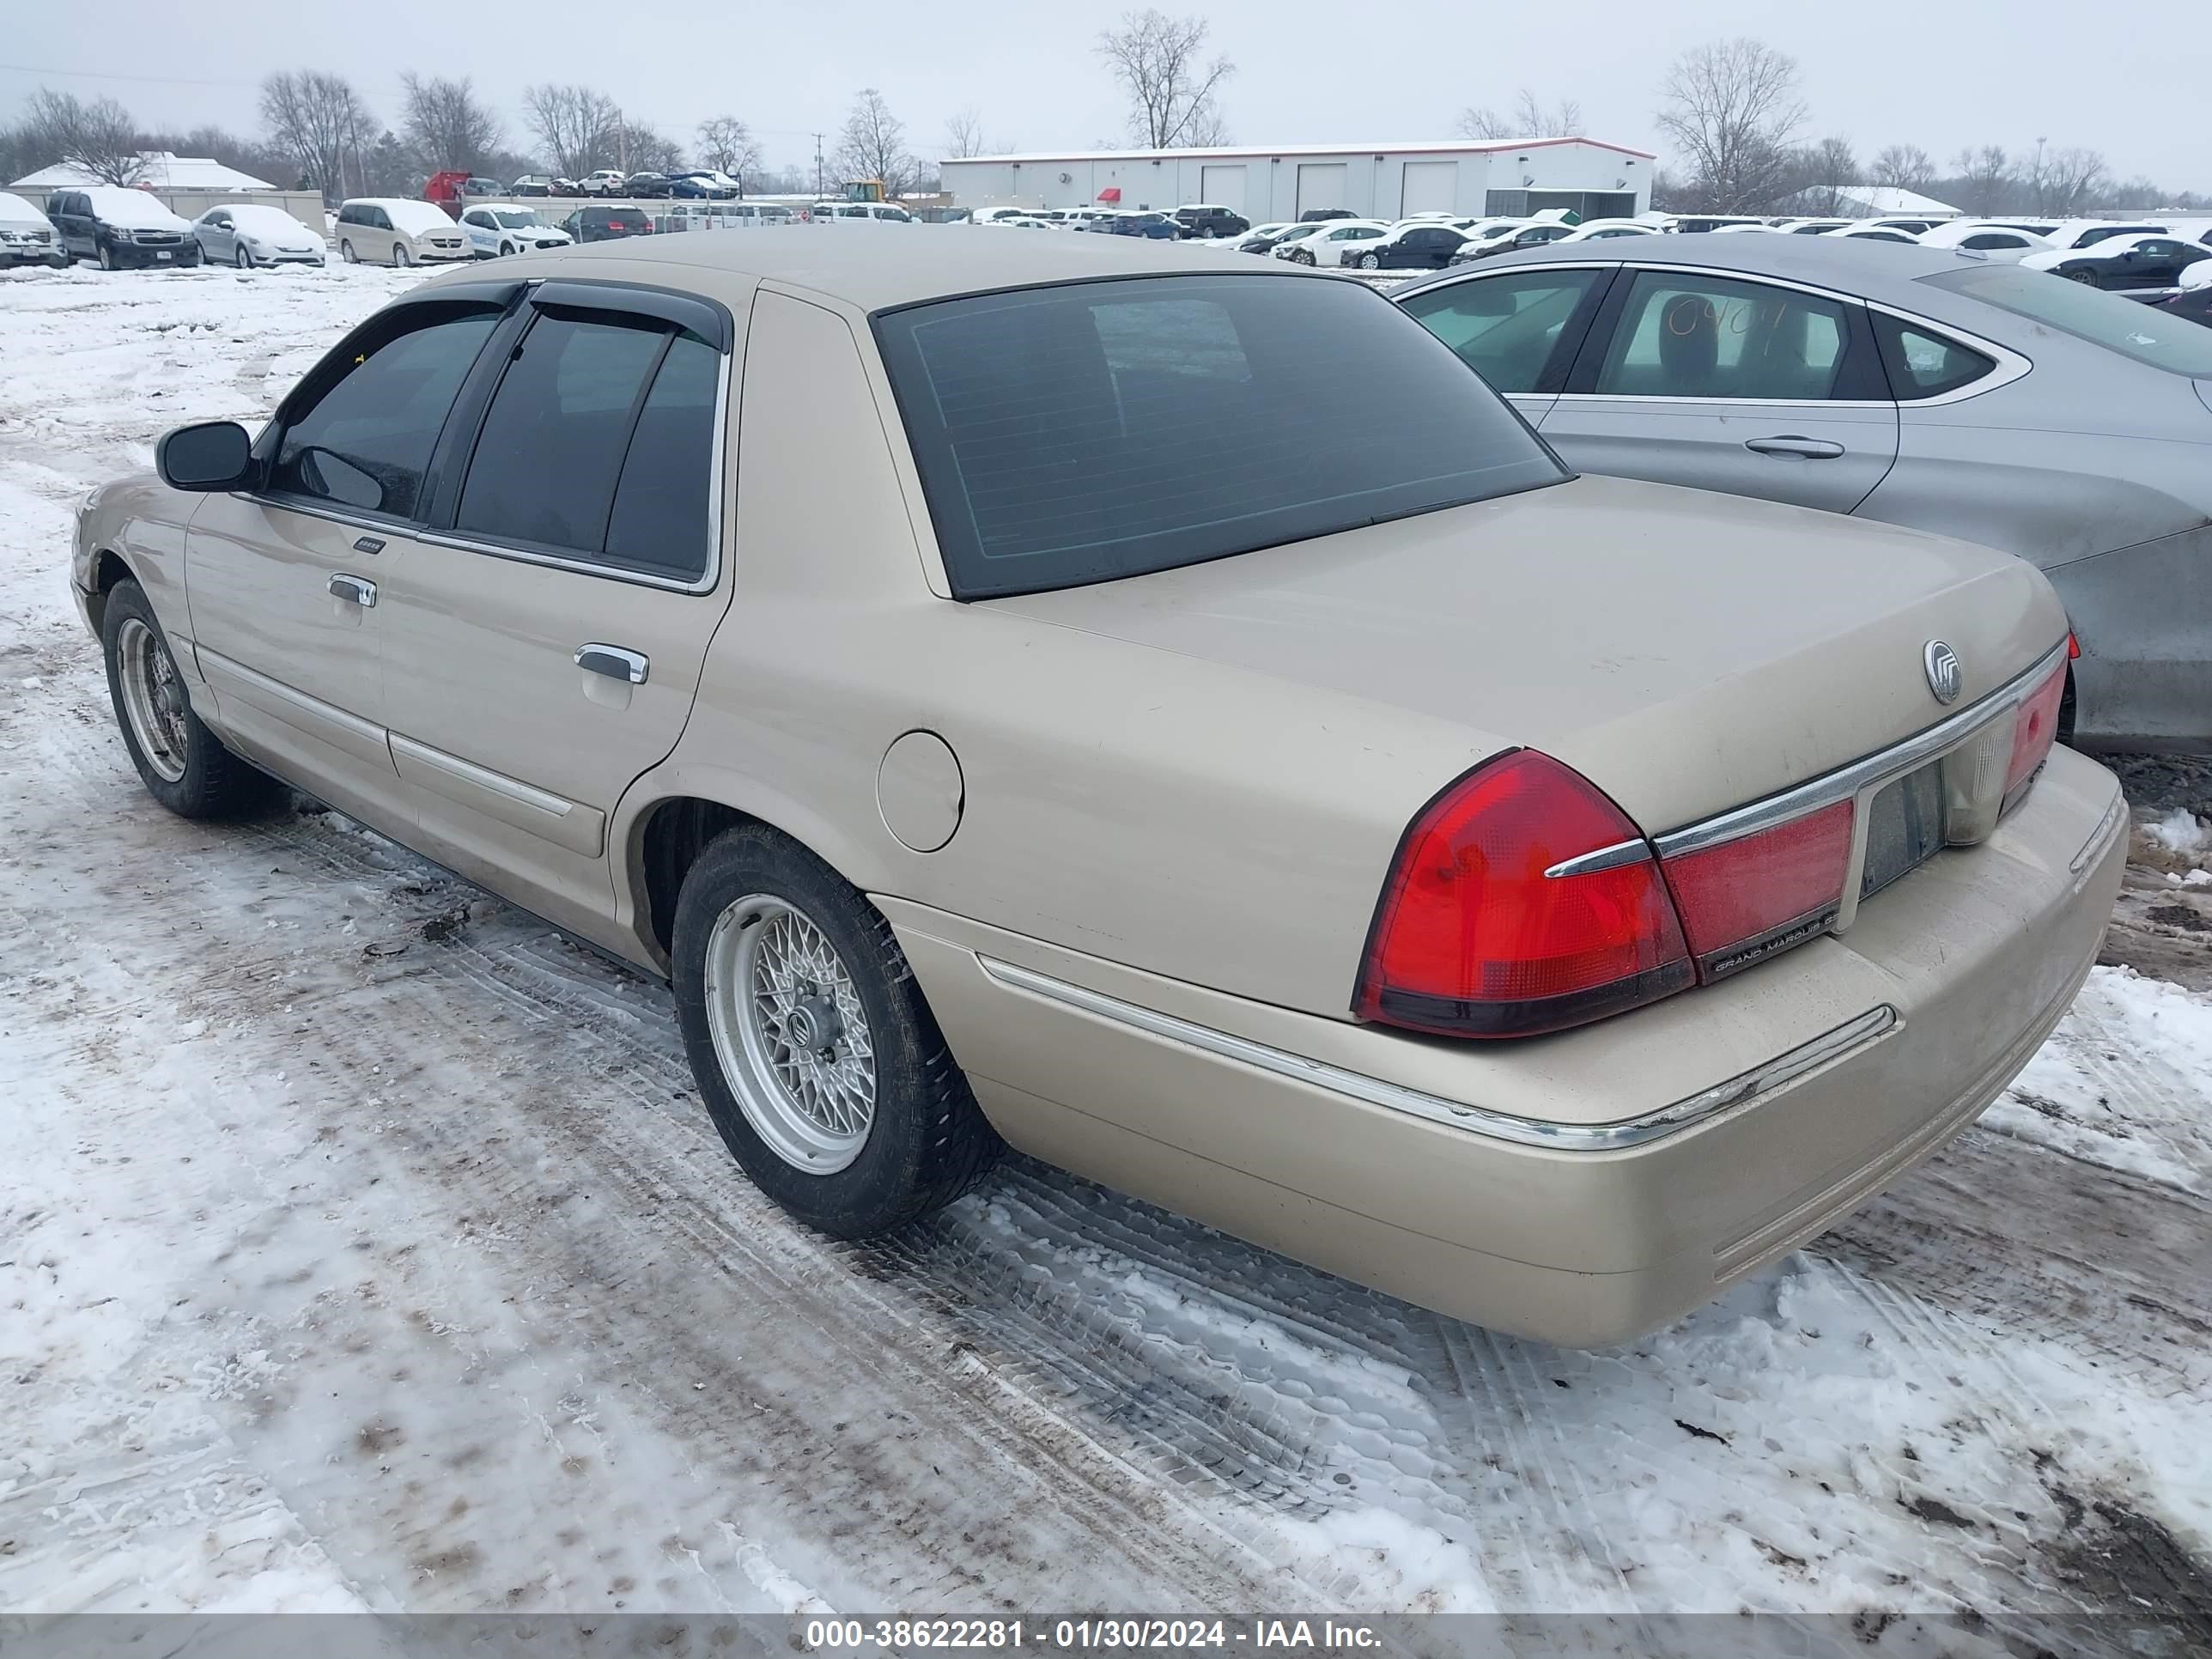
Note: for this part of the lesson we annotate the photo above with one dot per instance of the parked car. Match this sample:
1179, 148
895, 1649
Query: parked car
1315, 216
989, 216
2133, 264
2005, 243
2087, 232
1875, 233
1511, 238
1156, 226
1205, 219
27, 235
247, 234
1691, 223
495, 228
1924, 387
394, 231
2193, 299
1333, 242
1605, 230
1416, 244
1261, 239
118, 227
1756, 810
453, 189
606, 181
534, 184
1807, 227
606, 224
645, 186
564, 186
704, 184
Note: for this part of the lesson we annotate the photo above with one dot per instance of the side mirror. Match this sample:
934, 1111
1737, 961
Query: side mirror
215, 455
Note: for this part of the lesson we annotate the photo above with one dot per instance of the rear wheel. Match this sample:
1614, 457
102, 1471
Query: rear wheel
183, 764
815, 1054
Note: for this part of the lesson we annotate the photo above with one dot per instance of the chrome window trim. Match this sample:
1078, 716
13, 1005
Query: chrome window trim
706, 583
1548, 1133
1869, 772
2010, 364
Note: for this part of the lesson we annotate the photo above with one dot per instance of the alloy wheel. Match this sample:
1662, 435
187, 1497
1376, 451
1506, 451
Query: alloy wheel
791, 1034
153, 698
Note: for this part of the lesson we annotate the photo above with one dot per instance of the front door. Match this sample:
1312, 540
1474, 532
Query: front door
542, 646
286, 586
1724, 383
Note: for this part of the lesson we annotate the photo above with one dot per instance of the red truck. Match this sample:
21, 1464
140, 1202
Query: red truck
455, 188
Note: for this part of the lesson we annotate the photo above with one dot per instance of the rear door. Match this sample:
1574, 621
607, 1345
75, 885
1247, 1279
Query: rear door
284, 585
1723, 382
1519, 329
542, 642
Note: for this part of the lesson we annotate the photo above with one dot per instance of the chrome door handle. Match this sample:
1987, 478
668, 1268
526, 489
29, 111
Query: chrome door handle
614, 661
1811, 449
358, 589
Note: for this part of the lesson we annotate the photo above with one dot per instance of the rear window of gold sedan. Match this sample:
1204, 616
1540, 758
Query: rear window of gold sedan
1090, 431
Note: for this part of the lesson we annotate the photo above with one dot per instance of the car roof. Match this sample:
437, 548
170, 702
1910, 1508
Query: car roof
873, 267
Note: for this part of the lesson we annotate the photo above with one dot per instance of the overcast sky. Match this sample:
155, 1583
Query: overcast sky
2131, 81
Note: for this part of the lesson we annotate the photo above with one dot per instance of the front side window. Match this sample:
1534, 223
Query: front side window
1710, 337
1506, 327
597, 444
1098, 430
2142, 332
362, 437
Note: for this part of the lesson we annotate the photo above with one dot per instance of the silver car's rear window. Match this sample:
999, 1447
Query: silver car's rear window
2149, 335
1095, 430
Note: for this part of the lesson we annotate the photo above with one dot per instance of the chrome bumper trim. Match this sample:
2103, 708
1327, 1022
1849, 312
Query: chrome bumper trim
1497, 1126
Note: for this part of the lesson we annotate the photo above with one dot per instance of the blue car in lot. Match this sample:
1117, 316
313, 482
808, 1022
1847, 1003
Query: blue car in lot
1157, 226
703, 185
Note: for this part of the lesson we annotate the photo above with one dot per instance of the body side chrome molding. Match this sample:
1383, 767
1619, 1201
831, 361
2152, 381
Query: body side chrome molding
1497, 1126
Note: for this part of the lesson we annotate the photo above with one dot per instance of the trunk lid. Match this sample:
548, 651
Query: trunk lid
1685, 651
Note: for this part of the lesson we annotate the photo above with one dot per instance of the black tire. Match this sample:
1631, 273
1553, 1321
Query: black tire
1369, 262
346, 253
106, 257
216, 783
241, 258
928, 1141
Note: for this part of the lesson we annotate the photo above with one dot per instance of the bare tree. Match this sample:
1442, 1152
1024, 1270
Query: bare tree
1903, 167
964, 134
647, 150
2061, 181
1173, 92
578, 128
1828, 168
1529, 120
727, 144
1984, 179
446, 123
1732, 109
320, 123
872, 144
99, 137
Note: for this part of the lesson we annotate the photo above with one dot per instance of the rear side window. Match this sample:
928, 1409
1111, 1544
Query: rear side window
1922, 365
1505, 328
363, 435
1686, 335
598, 444
1097, 430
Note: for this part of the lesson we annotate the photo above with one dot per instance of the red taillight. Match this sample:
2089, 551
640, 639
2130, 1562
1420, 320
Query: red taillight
2032, 730
1745, 899
1474, 939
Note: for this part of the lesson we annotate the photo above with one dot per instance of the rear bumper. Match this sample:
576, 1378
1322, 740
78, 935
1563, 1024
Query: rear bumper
1547, 1212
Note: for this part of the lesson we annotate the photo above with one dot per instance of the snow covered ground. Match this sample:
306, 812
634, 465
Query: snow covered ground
364, 1245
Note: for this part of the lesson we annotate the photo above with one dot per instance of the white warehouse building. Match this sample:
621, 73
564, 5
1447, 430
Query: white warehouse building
1596, 179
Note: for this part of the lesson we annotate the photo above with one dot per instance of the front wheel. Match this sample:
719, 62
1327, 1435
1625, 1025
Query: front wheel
506, 249
2088, 277
1369, 262
400, 256
183, 764
106, 257
346, 254
1300, 257
242, 259
816, 1055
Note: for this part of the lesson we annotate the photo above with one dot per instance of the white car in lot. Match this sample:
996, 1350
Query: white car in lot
1809, 227
2002, 244
1332, 241
248, 233
1876, 233
1600, 230
606, 181
498, 228
2087, 232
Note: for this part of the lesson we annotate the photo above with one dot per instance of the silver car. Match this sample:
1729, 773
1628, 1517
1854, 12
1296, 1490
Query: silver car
1924, 387
248, 233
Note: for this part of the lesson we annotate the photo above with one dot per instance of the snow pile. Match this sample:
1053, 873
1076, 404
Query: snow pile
2179, 831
